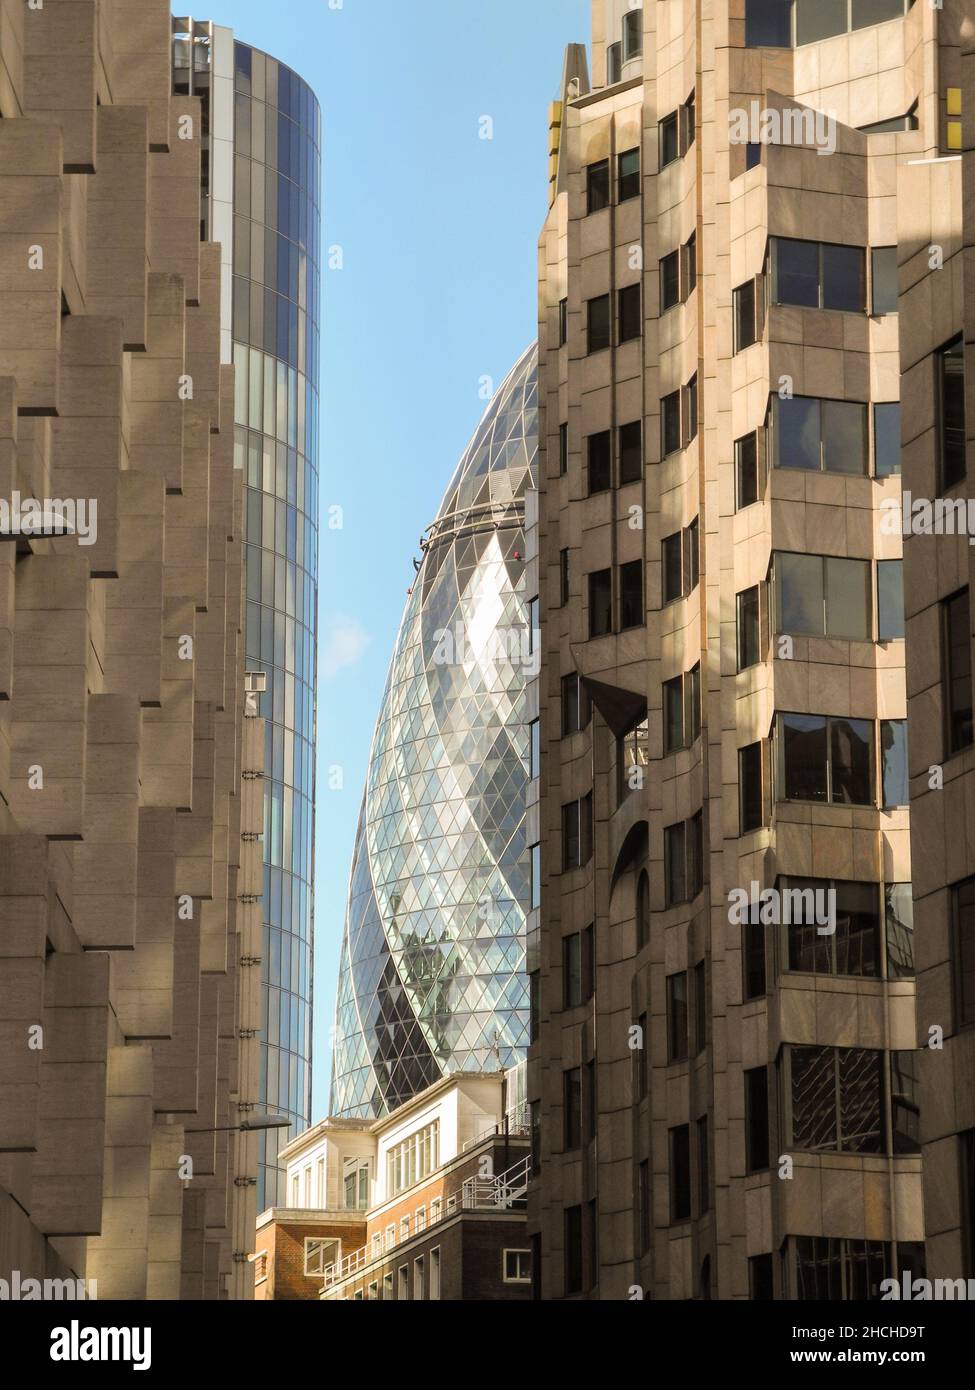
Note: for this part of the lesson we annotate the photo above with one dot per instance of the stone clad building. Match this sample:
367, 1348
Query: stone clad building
130, 778
740, 336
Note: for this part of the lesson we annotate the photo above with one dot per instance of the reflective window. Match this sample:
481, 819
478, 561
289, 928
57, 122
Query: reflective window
749, 482
631, 595
629, 175
600, 603
826, 759
887, 438
951, 372
599, 448
890, 599
884, 277
957, 678
597, 186
818, 275
820, 434
631, 452
677, 1017
598, 325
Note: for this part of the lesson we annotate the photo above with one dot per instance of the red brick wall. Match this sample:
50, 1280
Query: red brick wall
285, 1243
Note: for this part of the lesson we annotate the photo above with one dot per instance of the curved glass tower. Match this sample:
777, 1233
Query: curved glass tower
261, 198
432, 976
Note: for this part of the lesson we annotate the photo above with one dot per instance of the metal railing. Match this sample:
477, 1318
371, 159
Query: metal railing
516, 1121
503, 1191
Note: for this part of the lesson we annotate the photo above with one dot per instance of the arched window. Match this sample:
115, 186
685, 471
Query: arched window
643, 911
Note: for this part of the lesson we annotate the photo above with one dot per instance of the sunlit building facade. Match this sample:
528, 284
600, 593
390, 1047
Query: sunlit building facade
432, 972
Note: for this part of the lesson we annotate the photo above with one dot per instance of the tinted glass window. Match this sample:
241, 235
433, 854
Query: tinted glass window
631, 452
893, 753
744, 307
884, 263
629, 175
673, 714
670, 281
804, 756
680, 1173
890, 599
600, 461
768, 23
600, 603
668, 140
958, 670
799, 593
751, 808
964, 904
819, 19
848, 599
629, 313
749, 634
672, 573
597, 186
887, 438
875, 11
797, 432
598, 323
850, 782
844, 427
843, 286
797, 272
670, 422
756, 1119
952, 413
674, 858
631, 594
746, 471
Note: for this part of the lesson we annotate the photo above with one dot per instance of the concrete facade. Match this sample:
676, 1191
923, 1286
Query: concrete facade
130, 779
684, 1061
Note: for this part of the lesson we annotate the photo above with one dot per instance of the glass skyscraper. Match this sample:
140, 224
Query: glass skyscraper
432, 976
261, 199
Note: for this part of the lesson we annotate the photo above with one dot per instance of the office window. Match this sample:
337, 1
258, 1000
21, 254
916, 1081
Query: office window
768, 23
631, 595
673, 703
837, 1096
614, 64
642, 1058
820, 434
753, 155
823, 596
600, 603
693, 711
887, 439
751, 649
563, 577
576, 708
571, 841
703, 1167
951, 382
692, 557
669, 281
536, 876
631, 452
572, 1108
673, 577
963, 911
695, 854
753, 951
890, 599
534, 749
675, 851
749, 474
643, 1208
761, 1284
630, 316
677, 1017
751, 789
643, 911
632, 34
633, 755
905, 1088
597, 186
899, 930
756, 1120
572, 971
884, 275
669, 140
820, 19
818, 275
689, 266
688, 123
745, 319
864, 12
403, 1282
834, 1269
598, 323
670, 430
680, 1173
700, 1007
534, 1004
387, 1286
957, 667
893, 762
435, 1273
573, 1250
689, 411
826, 759
419, 1278
600, 454
629, 175
516, 1266
563, 322
563, 450
853, 948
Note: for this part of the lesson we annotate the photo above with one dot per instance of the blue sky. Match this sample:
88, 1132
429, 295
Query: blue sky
438, 230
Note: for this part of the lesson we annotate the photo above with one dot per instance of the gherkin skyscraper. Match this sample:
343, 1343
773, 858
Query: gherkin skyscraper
432, 976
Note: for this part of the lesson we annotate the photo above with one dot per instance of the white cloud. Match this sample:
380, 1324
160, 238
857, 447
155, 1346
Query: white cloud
342, 644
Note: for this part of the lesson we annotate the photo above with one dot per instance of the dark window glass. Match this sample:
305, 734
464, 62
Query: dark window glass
748, 485
614, 64
837, 1099
853, 948
850, 780
703, 1170
957, 628
572, 1107
796, 272
571, 846
669, 281
563, 577
571, 971
963, 895
804, 757
600, 450
887, 438
598, 323
844, 429
534, 1004
571, 723
692, 557
677, 1017
893, 753
642, 1069
832, 1269
819, 19
688, 123
843, 278
630, 324
632, 34
573, 1250
563, 450
899, 926
680, 1173
761, 1285
744, 316
751, 809
695, 855
848, 599
673, 584
689, 411
693, 712
597, 186
861, 1092
951, 361
700, 1007
753, 155
563, 322
797, 433
896, 123
768, 23
629, 175
675, 886
534, 749
631, 452
800, 599
644, 1207
814, 1110
670, 423
866, 12
536, 876
967, 1142
631, 595
643, 911
756, 1120
689, 262
600, 603
749, 628
905, 1091
884, 267
669, 140
674, 715
753, 934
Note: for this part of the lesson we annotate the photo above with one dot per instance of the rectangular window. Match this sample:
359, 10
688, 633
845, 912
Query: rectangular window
837, 1099
887, 439
630, 313
689, 411
688, 124
534, 749
768, 23
853, 948
756, 1120
643, 1205
673, 575
817, 435
674, 715
751, 789
818, 275
680, 1173
753, 950
572, 1108
890, 600
598, 323
893, 762
703, 1168
387, 1286
966, 1141
563, 450
631, 595
563, 322
820, 19
629, 175
749, 476
899, 930
700, 1008
693, 710
573, 1250
905, 1091
633, 753
834, 1269
632, 34
597, 186
750, 647
600, 454
963, 906
677, 1017
571, 843
957, 667
403, 1282
675, 883
951, 416
642, 1059
588, 962
745, 323
823, 596
575, 705
419, 1278
884, 276
826, 759
761, 1285
413, 1160
692, 557
600, 603
669, 140
689, 267
536, 876
563, 577
572, 971
670, 424
631, 452
670, 281
435, 1273
516, 1266
614, 64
